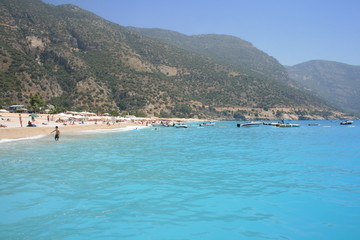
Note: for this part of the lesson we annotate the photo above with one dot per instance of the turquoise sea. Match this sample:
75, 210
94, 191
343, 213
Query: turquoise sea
219, 182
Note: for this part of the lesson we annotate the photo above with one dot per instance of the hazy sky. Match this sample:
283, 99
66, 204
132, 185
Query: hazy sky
292, 31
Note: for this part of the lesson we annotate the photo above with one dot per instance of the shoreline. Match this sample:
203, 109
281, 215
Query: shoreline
13, 131
68, 132
24, 133
27, 133
44, 127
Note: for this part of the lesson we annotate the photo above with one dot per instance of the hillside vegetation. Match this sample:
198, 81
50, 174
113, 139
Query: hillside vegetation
76, 60
338, 83
224, 49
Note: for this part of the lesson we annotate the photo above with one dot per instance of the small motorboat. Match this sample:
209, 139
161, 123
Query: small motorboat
250, 124
346, 122
313, 124
206, 124
270, 124
182, 125
287, 125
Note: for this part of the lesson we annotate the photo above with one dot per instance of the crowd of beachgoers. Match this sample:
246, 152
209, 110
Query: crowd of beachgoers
20, 125
11, 120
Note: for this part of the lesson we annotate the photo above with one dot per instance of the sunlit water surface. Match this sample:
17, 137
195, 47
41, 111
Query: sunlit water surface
219, 182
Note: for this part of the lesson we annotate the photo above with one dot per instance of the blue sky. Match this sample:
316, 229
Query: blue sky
292, 31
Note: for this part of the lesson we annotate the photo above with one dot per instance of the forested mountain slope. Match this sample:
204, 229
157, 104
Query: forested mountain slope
77, 60
338, 83
224, 49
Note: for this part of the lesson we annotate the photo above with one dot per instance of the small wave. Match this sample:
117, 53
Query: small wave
127, 128
22, 139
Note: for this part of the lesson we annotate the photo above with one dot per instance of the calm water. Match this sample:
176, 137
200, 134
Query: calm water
219, 182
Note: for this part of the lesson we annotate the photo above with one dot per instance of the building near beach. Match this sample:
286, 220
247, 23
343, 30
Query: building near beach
17, 109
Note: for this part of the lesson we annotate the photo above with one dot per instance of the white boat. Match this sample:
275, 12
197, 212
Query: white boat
287, 125
346, 122
181, 125
271, 123
250, 124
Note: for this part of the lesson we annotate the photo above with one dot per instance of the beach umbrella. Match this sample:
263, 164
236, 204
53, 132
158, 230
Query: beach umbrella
33, 115
94, 118
78, 117
64, 115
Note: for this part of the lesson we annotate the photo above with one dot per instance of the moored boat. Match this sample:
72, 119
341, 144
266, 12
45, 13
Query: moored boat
206, 124
287, 125
346, 122
250, 124
313, 124
180, 125
271, 123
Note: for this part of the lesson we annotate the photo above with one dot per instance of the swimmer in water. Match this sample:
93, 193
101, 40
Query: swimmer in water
57, 133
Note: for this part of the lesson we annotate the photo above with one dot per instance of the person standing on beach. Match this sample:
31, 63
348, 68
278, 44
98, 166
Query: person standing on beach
20, 118
57, 133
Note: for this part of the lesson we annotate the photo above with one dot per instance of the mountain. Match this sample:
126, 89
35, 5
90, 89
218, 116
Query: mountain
338, 83
225, 49
76, 60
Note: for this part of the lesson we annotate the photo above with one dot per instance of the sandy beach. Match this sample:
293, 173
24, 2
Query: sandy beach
13, 129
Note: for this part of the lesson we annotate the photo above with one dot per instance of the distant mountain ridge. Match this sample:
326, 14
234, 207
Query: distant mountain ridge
225, 49
338, 83
79, 61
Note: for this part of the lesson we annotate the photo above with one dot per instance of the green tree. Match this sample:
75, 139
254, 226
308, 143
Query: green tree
182, 110
57, 109
279, 114
114, 113
239, 115
36, 102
